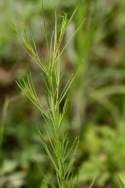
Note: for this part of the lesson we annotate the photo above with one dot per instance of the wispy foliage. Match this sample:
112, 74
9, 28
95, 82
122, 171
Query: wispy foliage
60, 150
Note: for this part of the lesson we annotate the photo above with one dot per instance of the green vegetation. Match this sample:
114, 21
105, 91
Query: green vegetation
74, 133
59, 149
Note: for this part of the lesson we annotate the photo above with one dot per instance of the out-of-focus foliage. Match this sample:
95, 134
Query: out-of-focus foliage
96, 106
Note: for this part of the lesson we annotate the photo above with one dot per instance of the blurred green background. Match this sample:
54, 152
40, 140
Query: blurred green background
96, 111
